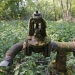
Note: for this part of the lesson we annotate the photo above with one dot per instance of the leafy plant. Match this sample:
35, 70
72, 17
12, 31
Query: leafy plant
12, 32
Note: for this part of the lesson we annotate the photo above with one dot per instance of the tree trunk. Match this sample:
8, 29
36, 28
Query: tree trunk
67, 14
70, 6
54, 10
62, 9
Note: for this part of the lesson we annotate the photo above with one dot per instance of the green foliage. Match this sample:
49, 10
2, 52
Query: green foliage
29, 67
10, 9
61, 31
12, 32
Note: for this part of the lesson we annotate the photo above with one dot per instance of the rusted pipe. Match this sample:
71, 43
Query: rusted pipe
68, 46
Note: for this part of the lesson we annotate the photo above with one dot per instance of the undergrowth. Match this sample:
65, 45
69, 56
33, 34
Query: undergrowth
12, 32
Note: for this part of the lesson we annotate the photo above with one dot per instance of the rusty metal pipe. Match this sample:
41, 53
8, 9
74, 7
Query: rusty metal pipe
61, 48
68, 46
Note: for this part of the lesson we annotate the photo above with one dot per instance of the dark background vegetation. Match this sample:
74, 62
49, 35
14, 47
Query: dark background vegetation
14, 16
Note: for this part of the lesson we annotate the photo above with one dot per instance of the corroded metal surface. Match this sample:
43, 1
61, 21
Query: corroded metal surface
36, 22
68, 46
61, 48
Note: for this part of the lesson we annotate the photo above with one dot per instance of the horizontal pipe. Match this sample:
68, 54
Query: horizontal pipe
68, 46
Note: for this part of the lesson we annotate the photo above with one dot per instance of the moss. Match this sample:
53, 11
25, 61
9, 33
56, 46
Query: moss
61, 73
69, 72
52, 64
